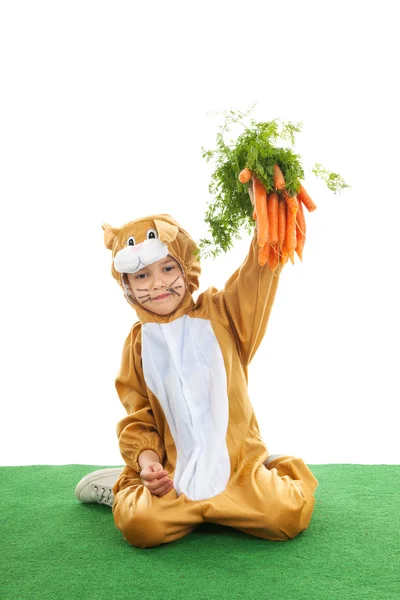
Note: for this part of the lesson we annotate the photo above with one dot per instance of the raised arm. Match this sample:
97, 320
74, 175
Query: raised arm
246, 301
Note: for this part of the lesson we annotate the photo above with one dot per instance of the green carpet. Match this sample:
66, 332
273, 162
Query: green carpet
54, 547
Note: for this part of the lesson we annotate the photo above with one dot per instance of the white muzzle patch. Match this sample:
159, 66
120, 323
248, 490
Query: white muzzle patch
134, 258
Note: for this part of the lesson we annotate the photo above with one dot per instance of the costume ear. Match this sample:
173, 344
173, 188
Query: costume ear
166, 232
109, 235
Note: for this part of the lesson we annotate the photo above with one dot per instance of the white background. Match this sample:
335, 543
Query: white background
103, 115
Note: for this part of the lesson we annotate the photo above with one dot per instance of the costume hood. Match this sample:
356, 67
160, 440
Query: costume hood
144, 241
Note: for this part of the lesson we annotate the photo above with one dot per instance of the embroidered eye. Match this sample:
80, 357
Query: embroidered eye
131, 241
152, 234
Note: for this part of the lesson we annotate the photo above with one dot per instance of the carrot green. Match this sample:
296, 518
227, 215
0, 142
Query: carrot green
258, 147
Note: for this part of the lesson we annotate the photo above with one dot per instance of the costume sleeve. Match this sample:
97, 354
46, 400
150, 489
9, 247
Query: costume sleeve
246, 301
138, 431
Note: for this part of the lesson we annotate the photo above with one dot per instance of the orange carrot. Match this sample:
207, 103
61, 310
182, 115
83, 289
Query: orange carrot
300, 231
290, 237
263, 254
284, 256
281, 222
292, 204
306, 200
273, 258
272, 208
291, 255
279, 180
300, 241
300, 219
260, 202
254, 215
289, 243
245, 175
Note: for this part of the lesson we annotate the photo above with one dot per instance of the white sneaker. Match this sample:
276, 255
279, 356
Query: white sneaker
97, 486
271, 458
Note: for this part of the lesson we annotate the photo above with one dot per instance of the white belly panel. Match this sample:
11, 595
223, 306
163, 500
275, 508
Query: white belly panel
184, 368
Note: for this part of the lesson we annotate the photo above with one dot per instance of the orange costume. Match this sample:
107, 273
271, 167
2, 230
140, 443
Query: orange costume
183, 383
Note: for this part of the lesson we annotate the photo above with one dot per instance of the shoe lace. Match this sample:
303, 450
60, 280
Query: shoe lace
104, 495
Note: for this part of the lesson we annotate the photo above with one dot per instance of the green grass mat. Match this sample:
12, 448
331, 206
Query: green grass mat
54, 547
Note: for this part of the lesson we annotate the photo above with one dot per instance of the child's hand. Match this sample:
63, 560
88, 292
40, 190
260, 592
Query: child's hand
156, 479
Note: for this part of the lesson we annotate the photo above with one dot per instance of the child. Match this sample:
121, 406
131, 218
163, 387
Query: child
190, 441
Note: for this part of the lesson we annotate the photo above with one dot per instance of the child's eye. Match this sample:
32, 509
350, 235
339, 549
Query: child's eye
143, 274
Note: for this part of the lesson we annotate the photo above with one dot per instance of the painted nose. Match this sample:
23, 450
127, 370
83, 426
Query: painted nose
137, 248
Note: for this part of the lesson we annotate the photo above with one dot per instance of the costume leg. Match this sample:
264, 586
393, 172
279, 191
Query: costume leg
146, 520
274, 502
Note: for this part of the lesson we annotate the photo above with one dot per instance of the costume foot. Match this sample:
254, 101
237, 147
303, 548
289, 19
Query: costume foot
97, 486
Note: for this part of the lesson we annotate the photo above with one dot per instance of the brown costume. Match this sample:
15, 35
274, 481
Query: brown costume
183, 383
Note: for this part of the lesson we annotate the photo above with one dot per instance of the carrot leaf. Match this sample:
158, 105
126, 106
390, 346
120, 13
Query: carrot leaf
334, 181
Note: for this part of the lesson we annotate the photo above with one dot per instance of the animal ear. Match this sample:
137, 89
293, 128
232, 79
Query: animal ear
166, 232
109, 235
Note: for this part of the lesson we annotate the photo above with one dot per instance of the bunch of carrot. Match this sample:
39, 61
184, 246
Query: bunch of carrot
281, 225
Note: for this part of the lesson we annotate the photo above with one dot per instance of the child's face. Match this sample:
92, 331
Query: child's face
161, 277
